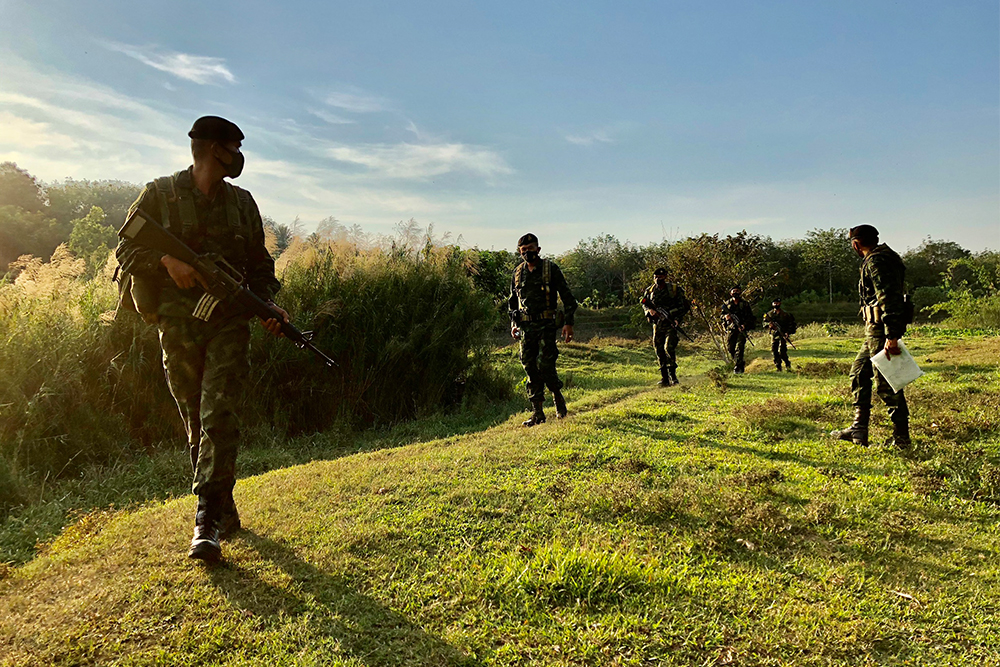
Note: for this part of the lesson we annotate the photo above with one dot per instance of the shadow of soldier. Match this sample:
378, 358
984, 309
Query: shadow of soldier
336, 614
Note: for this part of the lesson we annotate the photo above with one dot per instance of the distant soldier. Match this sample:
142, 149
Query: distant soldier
781, 325
535, 318
204, 349
886, 312
737, 319
665, 306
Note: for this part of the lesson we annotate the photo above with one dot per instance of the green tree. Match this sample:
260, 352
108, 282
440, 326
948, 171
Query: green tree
20, 189
27, 233
829, 264
71, 199
708, 267
602, 264
92, 240
927, 265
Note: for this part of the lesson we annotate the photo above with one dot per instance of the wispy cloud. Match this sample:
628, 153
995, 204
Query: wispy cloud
331, 118
590, 138
203, 70
356, 101
422, 161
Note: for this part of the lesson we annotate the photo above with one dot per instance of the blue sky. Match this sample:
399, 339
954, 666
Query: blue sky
640, 119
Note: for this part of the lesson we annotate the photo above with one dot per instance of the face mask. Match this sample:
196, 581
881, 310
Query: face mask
660, 281
235, 166
530, 255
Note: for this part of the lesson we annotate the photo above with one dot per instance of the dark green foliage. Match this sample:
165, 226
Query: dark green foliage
20, 189
72, 199
491, 273
601, 268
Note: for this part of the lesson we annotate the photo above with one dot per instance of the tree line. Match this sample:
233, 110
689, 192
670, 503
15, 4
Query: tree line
817, 273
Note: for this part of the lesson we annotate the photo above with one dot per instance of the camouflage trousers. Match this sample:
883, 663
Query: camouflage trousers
206, 367
665, 339
862, 372
779, 350
736, 343
538, 356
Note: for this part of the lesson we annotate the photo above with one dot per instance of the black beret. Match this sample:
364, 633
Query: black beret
660, 271
775, 300
214, 128
864, 233
526, 239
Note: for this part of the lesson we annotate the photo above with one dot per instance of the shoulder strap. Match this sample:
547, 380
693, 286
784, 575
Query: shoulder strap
233, 201
164, 189
519, 276
547, 276
183, 199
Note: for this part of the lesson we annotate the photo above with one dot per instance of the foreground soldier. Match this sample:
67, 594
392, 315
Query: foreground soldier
535, 318
665, 306
886, 313
782, 325
204, 355
737, 319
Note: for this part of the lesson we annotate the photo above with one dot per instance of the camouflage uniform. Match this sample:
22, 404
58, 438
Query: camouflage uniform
205, 361
670, 298
881, 290
736, 338
784, 325
532, 306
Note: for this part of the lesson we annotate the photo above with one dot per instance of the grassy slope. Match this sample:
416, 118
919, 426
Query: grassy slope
706, 524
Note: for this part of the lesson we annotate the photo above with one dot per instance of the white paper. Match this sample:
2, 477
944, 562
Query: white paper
900, 370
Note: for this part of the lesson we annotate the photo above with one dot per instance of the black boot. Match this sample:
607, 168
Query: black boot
560, 402
672, 374
857, 432
229, 518
900, 432
777, 367
788, 365
205, 543
537, 417
664, 378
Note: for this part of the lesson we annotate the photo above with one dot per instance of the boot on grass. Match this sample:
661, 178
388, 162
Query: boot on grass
900, 435
537, 417
857, 432
205, 543
664, 378
672, 374
560, 402
229, 518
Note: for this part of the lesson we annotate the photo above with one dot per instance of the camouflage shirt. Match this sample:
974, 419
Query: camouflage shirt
785, 322
741, 311
239, 241
531, 296
882, 284
670, 297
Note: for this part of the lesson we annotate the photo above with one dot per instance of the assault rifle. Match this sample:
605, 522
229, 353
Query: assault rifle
665, 315
777, 327
739, 325
223, 280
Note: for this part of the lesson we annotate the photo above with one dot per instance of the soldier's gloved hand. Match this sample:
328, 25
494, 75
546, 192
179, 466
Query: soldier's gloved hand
568, 332
892, 348
272, 325
183, 274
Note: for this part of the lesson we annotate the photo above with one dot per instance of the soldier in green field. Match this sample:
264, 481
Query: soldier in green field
886, 312
204, 344
535, 319
665, 306
782, 325
737, 319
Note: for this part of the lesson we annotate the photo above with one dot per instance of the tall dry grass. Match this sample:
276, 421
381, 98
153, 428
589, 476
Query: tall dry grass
80, 387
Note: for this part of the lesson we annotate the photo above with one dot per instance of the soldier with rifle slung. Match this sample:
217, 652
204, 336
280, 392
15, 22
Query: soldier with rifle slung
738, 320
886, 310
204, 339
782, 325
535, 319
665, 306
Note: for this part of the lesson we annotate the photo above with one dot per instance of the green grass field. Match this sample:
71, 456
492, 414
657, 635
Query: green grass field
707, 524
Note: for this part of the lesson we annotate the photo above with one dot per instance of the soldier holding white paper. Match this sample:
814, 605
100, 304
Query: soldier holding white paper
886, 312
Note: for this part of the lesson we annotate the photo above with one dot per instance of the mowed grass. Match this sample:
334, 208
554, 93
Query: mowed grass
708, 524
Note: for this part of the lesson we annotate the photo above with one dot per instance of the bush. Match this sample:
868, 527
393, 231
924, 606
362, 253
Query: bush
80, 387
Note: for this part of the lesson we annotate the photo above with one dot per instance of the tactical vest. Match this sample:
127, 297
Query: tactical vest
178, 215
519, 274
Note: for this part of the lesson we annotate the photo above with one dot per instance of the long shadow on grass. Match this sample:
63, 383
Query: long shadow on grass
772, 455
362, 627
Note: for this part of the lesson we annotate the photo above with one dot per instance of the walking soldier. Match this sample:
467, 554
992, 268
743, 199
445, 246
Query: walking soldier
535, 318
782, 326
737, 320
665, 306
886, 311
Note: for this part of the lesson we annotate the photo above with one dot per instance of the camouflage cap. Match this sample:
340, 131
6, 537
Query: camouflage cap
213, 128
